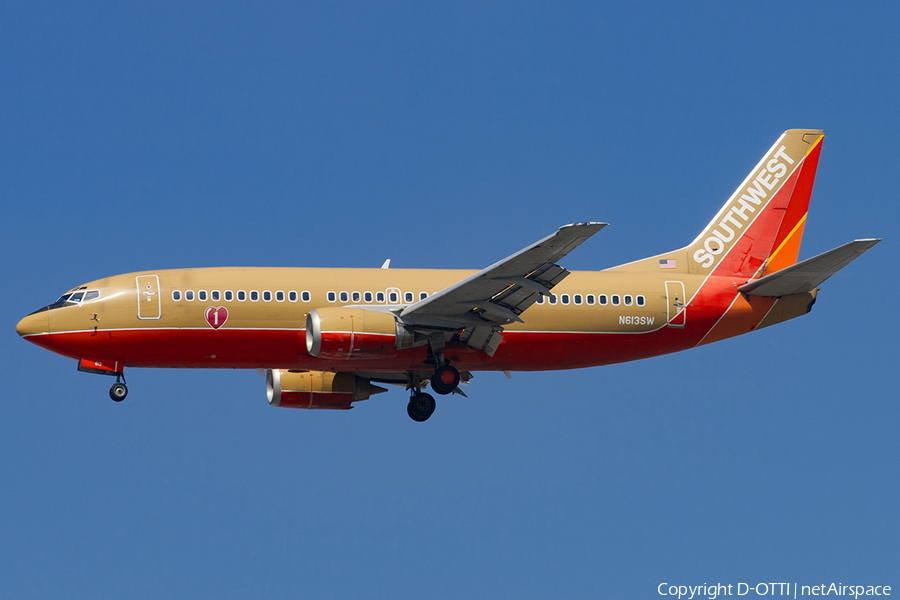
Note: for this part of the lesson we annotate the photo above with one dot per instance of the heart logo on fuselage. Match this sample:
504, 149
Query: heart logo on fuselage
216, 316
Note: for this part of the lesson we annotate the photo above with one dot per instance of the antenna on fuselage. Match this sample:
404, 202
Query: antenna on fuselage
387, 264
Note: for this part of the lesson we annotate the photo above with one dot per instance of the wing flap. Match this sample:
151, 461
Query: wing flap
807, 275
480, 305
502, 291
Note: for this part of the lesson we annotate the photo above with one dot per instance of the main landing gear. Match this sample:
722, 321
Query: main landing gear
421, 406
444, 380
119, 390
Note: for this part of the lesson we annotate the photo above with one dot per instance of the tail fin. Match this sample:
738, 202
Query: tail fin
759, 229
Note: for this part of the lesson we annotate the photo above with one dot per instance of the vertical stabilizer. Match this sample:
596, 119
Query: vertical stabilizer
760, 226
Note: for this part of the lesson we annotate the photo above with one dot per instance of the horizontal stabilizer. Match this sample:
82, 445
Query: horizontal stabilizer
809, 274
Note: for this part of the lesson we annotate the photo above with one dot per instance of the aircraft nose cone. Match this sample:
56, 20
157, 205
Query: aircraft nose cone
34, 323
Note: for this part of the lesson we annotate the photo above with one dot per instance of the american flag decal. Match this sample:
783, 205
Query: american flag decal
670, 263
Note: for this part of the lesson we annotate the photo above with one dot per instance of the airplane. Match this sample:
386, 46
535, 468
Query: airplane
325, 338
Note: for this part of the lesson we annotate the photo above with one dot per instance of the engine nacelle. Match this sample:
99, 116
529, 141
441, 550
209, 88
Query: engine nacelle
344, 333
315, 389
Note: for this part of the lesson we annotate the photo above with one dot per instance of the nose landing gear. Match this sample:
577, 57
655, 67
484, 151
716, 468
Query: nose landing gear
119, 390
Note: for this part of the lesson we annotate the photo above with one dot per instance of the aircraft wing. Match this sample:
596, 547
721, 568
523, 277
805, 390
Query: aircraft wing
497, 295
809, 274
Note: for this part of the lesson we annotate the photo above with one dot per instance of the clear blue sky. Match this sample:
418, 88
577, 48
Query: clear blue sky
156, 135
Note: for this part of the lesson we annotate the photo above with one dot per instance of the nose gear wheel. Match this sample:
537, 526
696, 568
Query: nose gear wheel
118, 391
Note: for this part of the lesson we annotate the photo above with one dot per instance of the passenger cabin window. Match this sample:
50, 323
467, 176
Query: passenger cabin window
379, 297
640, 300
615, 299
423, 295
254, 296
201, 295
628, 300
331, 296
214, 295
292, 296
564, 298
279, 295
189, 295
552, 298
304, 296
540, 299
394, 298
356, 296
242, 295
408, 297
229, 295
577, 298
368, 296
176, 295
345, 296
267, 295
601, 299
590, 299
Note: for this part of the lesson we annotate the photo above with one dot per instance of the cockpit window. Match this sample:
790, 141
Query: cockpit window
71, 299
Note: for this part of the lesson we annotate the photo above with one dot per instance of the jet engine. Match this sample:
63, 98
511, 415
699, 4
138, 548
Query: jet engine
350, 333
315, 389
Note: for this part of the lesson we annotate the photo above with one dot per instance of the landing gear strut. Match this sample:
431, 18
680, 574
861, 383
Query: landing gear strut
421, 406
119, 390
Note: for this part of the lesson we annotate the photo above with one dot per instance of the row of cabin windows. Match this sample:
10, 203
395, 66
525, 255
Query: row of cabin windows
292, 296
241, 295
601, 299
393, 297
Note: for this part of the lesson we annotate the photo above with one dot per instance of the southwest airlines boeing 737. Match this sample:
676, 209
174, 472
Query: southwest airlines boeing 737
326, 337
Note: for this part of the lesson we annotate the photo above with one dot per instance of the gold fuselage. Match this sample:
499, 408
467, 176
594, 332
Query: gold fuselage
598, 318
